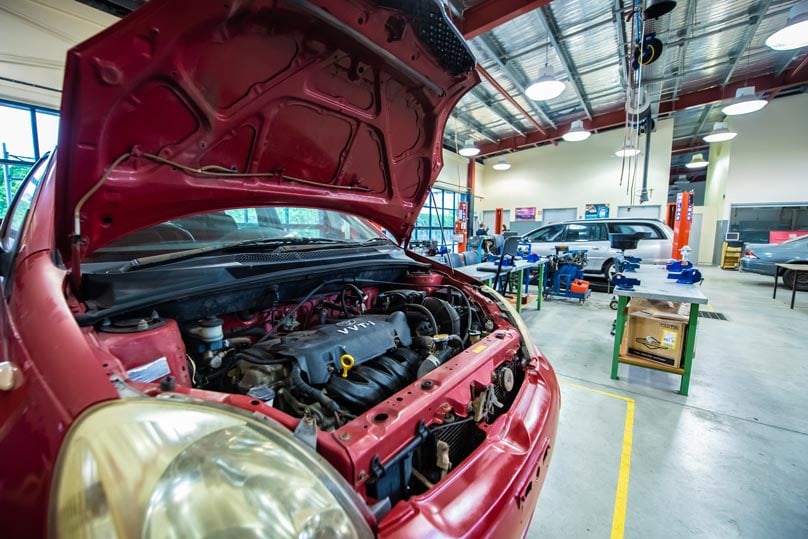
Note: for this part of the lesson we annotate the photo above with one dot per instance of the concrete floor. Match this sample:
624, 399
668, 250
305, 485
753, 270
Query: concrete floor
729, 460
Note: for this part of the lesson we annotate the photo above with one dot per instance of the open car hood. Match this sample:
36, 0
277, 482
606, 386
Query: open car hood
185, 107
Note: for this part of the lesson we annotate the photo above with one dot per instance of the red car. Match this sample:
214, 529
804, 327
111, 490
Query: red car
204, 336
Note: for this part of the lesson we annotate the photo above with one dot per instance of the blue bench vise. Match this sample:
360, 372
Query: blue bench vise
629, 264
689, 275
624, 283
677, 266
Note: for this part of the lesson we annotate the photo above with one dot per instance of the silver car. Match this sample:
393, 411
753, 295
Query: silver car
593, 235
762, 257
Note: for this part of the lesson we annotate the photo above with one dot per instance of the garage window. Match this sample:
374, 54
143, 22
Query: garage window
26, 133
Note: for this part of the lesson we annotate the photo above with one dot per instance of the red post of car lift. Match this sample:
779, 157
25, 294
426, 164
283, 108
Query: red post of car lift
682, 220
462, 225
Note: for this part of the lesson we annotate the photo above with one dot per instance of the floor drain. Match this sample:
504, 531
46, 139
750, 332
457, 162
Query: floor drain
713, 315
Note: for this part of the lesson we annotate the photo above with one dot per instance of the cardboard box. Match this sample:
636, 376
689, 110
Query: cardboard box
655, 336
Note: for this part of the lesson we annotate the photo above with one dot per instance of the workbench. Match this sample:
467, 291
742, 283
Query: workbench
487, 276
656, 286
780, 269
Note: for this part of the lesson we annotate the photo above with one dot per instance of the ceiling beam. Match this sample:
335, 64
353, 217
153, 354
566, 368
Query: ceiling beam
519, 80
477, 126
604, 121
749, 35
766, 83
498, 87
489, 14
787, 62
800, 67
548, 20
617, 118
498, 110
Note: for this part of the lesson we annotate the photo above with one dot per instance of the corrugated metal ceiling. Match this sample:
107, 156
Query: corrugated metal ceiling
708, 44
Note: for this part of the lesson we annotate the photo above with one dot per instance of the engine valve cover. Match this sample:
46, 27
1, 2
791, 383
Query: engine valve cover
364, 338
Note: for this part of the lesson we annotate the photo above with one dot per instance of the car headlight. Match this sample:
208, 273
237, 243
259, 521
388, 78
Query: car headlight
167, 468
514, 317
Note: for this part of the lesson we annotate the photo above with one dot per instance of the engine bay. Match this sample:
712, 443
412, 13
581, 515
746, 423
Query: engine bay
332, 355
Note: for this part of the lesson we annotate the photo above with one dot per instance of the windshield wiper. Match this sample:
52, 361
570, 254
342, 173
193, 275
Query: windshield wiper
159, 260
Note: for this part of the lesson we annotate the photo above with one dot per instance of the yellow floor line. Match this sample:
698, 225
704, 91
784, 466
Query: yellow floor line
621, 493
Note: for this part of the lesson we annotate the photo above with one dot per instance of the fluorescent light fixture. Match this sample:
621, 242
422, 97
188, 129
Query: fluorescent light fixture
546, 87
628, 150
697, 161
577, 133
469, 149
795, 33
502, 164
746, 101
720, 133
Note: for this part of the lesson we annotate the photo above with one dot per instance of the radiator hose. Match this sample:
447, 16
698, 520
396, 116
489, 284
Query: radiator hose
299, 385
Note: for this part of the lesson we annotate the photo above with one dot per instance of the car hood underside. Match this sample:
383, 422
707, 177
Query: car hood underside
185, 107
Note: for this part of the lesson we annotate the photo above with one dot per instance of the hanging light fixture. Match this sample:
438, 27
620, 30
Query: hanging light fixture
502, 164
469, 149
720, 133
746, 101
628, 150
577, 133
546, 86
697, 161
795, 33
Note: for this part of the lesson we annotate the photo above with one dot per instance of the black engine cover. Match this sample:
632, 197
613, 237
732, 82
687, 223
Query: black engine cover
370, 383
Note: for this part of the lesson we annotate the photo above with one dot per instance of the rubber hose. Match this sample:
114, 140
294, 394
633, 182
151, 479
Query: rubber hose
455, 341
300, 385
428, 314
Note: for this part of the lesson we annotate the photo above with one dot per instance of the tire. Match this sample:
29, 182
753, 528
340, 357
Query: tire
609, 270
802, 280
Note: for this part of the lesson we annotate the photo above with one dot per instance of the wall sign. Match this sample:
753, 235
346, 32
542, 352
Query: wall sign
596, 211
525, 214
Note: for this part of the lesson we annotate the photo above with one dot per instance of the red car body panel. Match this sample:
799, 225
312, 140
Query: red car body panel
326, 92
63, 369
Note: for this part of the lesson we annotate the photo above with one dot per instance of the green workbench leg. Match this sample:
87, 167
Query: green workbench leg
519, 291
540, 294
619, 328
690, 346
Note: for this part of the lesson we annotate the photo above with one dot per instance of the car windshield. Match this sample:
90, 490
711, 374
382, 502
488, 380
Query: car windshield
231, 227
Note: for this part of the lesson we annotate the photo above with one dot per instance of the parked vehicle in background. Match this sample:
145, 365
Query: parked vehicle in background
593, 235
762, 258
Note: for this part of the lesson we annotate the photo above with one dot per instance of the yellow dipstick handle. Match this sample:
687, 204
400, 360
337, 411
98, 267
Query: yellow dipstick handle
347, 362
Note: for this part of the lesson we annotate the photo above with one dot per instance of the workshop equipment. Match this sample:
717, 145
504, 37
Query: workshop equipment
623, 263
564, 276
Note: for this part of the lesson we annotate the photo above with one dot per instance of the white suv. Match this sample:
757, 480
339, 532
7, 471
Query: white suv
593, 235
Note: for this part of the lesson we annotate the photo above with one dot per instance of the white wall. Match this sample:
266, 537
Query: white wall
36, 35
766, 163
575, 174
769, 158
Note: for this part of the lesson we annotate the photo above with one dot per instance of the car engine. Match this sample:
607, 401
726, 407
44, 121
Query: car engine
331, 358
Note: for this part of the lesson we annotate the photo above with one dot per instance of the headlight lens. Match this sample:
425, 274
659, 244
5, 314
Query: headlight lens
515, 317
161, 468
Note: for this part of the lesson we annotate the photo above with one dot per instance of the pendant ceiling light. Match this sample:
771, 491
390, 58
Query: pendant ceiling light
546, 87
720, 133
697, 161
502, 164
577, 133
746, 101
795, 34
628, 150
656, 8
469, 149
